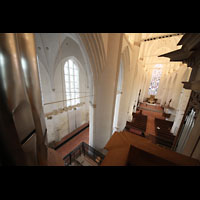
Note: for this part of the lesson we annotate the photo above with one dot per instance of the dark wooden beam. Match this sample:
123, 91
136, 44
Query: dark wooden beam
195, 86
190, 44
186, 85
190, 41
177, 55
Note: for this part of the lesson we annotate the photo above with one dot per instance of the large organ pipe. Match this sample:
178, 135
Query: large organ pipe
189, 123
190, 126
17, 128
28, 58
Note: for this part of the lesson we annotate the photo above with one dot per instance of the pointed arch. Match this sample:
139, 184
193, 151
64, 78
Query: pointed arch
126, 58
94, 45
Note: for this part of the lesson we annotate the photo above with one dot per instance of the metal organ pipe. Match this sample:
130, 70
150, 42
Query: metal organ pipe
186, 130
28, 57
17, 128
21, 143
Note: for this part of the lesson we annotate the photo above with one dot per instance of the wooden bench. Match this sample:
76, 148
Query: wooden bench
138, 124
163, 134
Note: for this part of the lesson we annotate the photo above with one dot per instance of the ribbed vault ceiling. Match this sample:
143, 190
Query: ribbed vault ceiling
154, 44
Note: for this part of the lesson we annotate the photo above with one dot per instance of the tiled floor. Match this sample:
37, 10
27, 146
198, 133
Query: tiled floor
151, 116
74, 142
71, 134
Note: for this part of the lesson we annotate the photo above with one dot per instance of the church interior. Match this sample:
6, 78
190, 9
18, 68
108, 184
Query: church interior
99, 99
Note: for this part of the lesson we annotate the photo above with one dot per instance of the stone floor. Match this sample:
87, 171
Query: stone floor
74, 142
152, 113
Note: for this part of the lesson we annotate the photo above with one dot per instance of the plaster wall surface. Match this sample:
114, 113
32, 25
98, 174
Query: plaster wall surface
52, 57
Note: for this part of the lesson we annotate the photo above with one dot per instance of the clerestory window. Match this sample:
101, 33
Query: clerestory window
72, 89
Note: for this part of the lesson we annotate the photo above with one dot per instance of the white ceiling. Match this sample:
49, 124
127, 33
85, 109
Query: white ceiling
151, 49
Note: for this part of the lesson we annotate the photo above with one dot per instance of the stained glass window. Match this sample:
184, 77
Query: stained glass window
155, 79
71, 74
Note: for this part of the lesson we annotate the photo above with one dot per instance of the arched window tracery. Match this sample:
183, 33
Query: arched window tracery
155, 79
72, 86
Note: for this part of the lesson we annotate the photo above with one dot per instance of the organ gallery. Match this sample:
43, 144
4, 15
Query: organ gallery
99, 99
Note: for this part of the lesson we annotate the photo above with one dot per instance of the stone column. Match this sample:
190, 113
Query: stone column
165, 90
105, 88
134, 84
125, 114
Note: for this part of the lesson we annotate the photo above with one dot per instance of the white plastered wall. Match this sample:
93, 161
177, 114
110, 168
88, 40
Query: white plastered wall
53, 87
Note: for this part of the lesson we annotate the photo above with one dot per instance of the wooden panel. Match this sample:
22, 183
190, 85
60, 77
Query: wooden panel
116, 157
138, 157
123, 140
54, 158
139, 122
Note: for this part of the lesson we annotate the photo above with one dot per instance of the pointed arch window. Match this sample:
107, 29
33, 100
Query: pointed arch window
155, 79
72, 87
